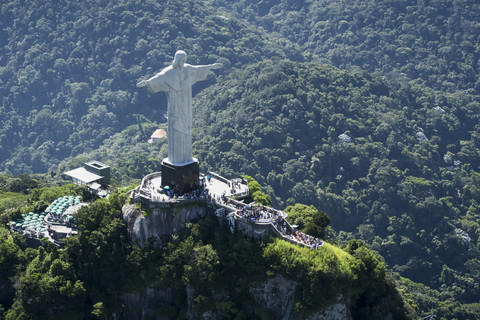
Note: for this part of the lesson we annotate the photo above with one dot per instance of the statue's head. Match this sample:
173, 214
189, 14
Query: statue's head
180, 58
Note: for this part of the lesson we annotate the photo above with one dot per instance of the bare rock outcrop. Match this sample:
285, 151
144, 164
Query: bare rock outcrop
143, 305
276, 294
338, 311
160, 222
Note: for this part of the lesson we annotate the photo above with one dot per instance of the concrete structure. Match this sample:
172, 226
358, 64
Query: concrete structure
219, 196
82, 176
100, 169
151, 189
94, 174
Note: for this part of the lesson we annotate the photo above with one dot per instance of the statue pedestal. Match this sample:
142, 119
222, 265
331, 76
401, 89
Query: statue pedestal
181, 179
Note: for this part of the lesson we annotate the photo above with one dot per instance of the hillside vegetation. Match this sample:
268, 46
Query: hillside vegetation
88, 278
68, 72
367, 110
382, 161
435, 42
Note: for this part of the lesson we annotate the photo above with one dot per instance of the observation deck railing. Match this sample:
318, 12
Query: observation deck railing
250, 213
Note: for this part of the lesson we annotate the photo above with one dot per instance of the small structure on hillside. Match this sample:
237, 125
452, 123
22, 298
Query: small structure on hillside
157, 135
55, 223
94, 174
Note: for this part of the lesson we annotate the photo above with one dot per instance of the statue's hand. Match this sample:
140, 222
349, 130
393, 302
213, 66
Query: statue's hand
142, 83
217, 65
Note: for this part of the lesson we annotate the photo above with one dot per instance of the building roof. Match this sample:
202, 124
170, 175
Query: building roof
63, 229
83, 175
159, 133
97, 164
94, 186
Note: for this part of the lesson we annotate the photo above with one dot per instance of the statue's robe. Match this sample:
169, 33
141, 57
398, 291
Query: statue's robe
177, 83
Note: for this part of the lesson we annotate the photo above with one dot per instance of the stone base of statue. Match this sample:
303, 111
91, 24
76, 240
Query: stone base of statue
181, 178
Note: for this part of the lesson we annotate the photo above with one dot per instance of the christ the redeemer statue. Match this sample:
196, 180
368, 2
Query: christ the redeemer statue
179, 170
177, 80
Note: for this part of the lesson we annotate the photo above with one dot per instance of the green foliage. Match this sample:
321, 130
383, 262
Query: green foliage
49, 290
97, 265
404, 195
49, 194
308, 219
326, 273
255, 192
373, 282
9, 201
88, 278
10, 255
405, 181
434, 42
99, 310
23, 183
103, 250
60, 103
442, 304
212, 261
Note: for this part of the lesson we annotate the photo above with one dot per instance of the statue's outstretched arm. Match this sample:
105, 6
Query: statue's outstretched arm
217, 65
142, 83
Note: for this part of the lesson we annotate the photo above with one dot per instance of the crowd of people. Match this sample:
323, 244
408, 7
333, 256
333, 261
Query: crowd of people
199, 194
253, 212
305, 239
260, 213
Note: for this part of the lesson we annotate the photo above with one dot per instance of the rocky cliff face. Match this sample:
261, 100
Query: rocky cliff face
144, 305
276, 294
338, 311
161, 222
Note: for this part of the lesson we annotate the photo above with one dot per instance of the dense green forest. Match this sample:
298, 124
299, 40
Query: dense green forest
436, 42
367, 110
87, 278
383, 162
68, 72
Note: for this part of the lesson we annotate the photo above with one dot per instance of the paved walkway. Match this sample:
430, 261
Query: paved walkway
214, 186
225, 192
260, 214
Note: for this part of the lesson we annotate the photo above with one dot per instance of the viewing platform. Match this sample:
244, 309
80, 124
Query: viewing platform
226, 195
274, 219
213, 186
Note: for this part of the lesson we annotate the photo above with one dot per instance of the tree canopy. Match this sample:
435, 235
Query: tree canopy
366, 110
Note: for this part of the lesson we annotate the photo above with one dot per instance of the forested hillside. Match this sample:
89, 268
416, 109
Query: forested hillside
396, 165
384, 161
68, 72
89, 278
436, 42
368, 110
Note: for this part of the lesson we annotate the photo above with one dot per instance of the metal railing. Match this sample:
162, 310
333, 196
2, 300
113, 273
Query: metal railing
233, 206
